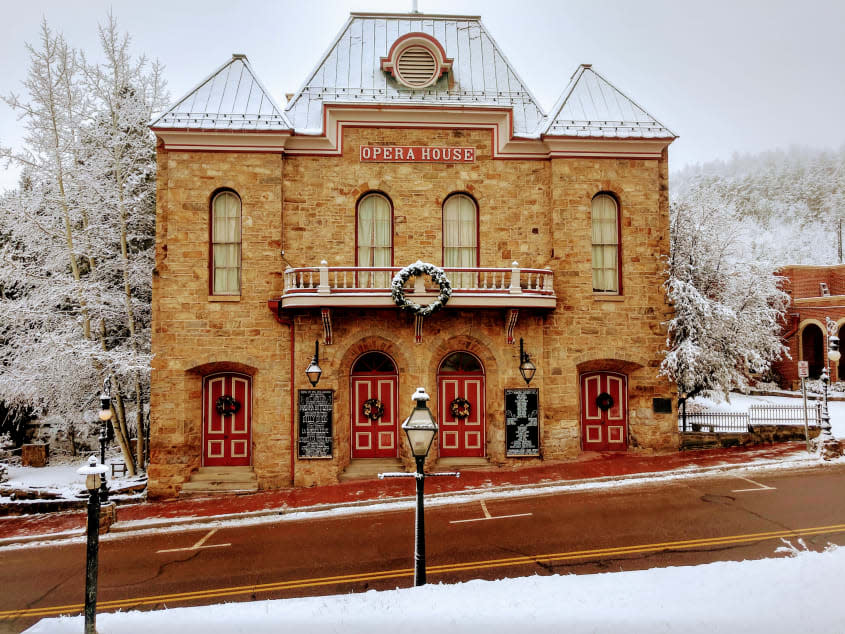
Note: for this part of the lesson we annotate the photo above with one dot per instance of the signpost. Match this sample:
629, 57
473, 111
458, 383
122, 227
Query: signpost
803, 373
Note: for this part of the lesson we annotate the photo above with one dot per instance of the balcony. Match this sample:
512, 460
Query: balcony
369, 287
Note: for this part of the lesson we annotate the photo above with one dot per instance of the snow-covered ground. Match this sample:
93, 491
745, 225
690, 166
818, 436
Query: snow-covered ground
801, 593
59, 477
741, 402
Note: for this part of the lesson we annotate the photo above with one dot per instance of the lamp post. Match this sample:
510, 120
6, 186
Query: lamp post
93, 473
313, 371
105, 416
826, 444
420, 428
526, 368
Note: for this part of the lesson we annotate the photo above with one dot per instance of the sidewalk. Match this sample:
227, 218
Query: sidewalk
591, 467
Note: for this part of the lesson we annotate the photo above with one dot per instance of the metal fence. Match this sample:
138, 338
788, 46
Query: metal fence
746, 421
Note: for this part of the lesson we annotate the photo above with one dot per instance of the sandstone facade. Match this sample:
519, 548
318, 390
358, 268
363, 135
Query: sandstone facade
535, 212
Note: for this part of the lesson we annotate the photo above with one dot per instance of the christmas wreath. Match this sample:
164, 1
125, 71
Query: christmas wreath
604, 401
437, 275
460, 408
373, 408
227, 406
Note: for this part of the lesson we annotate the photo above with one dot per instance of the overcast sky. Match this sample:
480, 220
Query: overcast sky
727, 76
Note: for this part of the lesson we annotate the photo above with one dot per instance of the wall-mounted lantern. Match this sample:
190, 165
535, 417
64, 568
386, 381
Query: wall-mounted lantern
313, 372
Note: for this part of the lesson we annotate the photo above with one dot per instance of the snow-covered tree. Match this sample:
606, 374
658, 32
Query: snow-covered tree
79, 231
728, 306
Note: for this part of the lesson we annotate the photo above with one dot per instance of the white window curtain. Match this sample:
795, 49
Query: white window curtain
605, 244
460, 238
226, 244
375, 240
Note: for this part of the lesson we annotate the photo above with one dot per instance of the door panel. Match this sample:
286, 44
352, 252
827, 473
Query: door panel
374, 438
604, 412
226, 437
462, 437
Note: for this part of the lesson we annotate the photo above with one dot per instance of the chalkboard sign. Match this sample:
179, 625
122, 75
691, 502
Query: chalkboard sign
522, 422
315, 423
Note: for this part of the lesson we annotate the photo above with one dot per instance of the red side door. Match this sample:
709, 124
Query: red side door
461, 437
226, 436
604, 412
374, 437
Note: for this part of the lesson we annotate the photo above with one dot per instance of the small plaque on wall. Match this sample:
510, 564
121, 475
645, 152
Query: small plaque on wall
315, 423
522, 422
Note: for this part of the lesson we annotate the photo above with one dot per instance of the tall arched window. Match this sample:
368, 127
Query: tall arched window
605, 221
375, 239
460, 237
226, 244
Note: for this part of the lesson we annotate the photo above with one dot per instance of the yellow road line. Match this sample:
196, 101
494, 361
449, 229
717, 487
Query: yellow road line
441, 569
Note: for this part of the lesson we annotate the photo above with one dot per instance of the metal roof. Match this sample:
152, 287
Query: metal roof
591, 106
230, 98
350, 71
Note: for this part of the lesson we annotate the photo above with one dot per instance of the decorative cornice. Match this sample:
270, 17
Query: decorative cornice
336, 117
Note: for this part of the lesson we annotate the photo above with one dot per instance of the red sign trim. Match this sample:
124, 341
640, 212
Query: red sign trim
416, 154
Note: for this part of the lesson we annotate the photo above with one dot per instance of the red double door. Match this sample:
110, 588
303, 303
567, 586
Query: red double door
227, 420
461, 436
374, 435
604, 412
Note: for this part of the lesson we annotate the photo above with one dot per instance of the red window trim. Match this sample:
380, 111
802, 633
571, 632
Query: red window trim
214, 195
392, 228
618, 241
477, 227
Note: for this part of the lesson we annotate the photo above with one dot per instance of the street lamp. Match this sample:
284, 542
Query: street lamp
420, 428
313, 372
526, 368
93, 473
826, 443
105, 416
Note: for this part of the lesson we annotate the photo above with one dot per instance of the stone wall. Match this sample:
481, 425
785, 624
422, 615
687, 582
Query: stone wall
536, 212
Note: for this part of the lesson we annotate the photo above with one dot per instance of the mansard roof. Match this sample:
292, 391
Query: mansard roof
351, 72
230, 98
591, 106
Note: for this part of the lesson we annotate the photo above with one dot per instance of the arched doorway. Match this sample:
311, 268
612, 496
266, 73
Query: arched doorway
812, 349
461, 405
227, 420
375, 386
604, 411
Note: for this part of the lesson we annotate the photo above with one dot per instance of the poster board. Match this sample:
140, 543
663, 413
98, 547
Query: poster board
315, 423
522, 422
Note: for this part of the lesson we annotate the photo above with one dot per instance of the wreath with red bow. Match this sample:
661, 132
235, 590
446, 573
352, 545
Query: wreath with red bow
227, 406
373, 408
460, 408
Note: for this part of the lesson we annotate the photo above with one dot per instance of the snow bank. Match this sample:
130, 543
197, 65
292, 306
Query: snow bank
794, 594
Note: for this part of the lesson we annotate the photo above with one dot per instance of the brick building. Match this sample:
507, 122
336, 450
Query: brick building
412, 140
817, 292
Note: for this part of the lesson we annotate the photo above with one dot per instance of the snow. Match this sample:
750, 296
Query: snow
59, 478
741, 402
799, 593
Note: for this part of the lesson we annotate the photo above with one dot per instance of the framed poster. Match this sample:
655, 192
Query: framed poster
315, 423
522, 422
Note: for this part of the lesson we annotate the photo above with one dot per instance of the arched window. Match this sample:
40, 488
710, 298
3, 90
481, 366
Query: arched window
374, 239
605, 237
226, 244
460, 237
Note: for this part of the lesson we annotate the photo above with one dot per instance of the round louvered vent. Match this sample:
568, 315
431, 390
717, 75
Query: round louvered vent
416, 66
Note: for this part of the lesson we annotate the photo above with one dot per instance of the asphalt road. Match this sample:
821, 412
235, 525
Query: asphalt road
682, 522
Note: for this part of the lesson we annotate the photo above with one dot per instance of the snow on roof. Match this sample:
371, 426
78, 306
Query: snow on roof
591, 106
231, 98
350, 71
